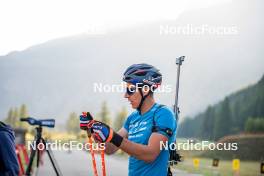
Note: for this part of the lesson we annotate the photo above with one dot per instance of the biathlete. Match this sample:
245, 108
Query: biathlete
144, 130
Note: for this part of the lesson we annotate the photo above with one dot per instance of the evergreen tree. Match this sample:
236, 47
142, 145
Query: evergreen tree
9, 117
229, 116
120, 119
14, 115
223, 121
104, 114
23, 113
72, 124
207, 128
255, 125
16, 120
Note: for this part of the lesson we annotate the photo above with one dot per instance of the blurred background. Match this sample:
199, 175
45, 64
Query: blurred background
53, 53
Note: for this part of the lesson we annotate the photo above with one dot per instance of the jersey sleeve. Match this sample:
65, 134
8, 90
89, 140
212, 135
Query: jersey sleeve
165, 119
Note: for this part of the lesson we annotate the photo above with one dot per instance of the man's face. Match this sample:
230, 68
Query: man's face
133, 95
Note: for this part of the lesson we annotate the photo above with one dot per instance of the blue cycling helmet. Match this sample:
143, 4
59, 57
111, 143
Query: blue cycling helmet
143, 75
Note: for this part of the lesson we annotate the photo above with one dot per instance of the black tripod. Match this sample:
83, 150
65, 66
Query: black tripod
39, 139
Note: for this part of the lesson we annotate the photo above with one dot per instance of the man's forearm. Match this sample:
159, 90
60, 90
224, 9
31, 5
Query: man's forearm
139, 151
110, 148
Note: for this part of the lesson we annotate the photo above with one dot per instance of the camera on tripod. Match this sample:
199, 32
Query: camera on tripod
50, 123
43, 122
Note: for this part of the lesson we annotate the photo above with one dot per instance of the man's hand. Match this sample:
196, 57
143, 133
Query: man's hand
85, 118
100, 131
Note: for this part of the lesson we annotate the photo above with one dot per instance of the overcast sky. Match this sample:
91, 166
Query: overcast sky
24, 23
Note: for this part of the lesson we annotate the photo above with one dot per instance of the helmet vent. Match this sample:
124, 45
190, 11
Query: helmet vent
127, 78
145, 68
140, 73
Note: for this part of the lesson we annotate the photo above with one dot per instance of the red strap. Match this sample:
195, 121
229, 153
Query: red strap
93, 158
21, 167
103, 162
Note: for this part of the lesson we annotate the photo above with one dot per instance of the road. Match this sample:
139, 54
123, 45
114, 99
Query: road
79, 163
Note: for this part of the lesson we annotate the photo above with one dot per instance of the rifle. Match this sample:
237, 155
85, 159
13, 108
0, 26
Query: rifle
174, 155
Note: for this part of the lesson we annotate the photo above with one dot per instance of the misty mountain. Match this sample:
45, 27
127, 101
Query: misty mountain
58, 77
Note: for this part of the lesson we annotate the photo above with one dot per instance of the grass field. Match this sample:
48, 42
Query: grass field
247, 168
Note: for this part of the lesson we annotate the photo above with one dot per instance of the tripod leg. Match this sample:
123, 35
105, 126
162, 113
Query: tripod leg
32, 156
38, 159
52, 160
